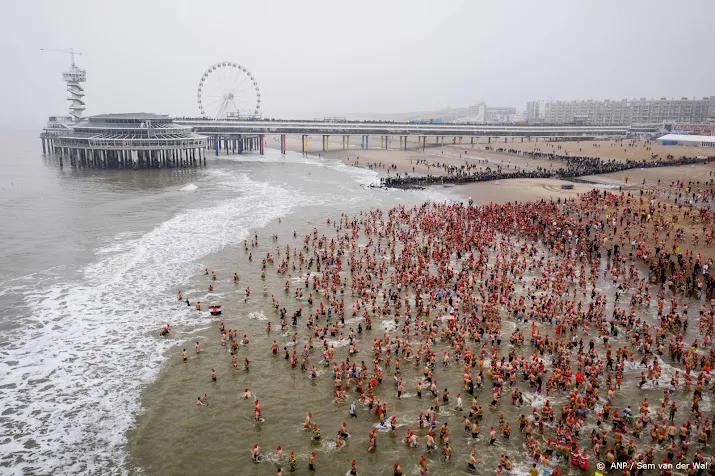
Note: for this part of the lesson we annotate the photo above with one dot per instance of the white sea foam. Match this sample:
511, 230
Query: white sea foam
189, 188
257, 315
87, 350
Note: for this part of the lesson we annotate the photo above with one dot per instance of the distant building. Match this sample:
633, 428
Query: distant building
626, 112
477, 112
535, 111
500, 114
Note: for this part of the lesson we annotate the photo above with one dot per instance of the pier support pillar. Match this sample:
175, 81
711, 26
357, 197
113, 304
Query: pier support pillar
262, 142
343, 142
348, 141
43, 147
283, 144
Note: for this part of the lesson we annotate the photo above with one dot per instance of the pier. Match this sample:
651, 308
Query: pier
135, 141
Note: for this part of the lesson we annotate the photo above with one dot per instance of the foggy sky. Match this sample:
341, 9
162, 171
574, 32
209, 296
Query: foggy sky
331, 58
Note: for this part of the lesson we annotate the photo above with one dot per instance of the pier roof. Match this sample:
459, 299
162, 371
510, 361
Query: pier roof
132, 115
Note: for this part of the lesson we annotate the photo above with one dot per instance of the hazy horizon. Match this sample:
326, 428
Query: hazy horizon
316, 59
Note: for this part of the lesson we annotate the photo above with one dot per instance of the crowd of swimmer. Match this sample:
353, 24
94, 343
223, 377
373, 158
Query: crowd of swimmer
449, 274
573, 166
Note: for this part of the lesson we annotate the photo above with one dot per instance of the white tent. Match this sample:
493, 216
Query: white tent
691, 140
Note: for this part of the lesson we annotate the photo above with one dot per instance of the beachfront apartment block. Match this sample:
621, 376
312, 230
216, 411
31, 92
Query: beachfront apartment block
623, 112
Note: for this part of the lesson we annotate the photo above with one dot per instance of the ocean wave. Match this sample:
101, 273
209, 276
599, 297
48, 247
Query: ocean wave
73, 375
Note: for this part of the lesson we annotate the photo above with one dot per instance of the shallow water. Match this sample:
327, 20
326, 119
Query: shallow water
91, 262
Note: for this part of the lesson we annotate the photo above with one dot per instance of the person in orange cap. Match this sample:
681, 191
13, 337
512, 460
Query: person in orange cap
311, 461
353, 467
398, 470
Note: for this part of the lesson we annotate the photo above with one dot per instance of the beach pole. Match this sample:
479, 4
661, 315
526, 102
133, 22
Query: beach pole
262, 142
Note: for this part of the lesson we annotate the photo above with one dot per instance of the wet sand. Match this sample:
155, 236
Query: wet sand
608, 149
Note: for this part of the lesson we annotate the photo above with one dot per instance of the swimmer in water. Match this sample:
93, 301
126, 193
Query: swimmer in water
473, 461
423, 465
256, 453
184, 355
213, 375
197, 347
246, 394
307, 423
353, 467
311, 462
200, 402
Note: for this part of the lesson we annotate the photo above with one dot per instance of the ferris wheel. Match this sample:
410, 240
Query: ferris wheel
228, 90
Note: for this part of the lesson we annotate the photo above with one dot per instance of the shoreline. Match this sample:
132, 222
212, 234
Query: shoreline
262, 378
432, 167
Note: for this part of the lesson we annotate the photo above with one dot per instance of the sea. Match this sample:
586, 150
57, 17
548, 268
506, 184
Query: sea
90, 263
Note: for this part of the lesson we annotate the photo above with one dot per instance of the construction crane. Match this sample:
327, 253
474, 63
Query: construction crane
73, 77
71, 52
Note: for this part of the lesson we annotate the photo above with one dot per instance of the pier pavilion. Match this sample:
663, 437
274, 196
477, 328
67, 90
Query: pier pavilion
124, 141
